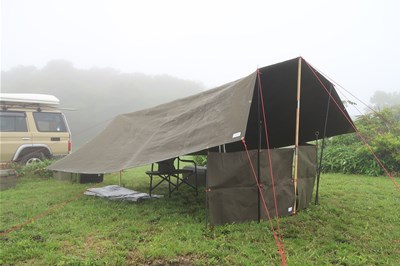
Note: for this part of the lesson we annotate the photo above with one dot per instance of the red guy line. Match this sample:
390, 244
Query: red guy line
269, 152
279, 244
354, 127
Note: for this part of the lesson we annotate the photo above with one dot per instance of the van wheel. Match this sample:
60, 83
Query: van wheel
32, 158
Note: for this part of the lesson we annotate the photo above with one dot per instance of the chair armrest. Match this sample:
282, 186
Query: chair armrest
189, 161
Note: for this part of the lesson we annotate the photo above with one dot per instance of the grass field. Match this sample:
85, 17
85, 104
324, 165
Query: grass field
356, 223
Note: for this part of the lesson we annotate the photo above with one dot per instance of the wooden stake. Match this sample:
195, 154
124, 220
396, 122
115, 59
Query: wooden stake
296, 151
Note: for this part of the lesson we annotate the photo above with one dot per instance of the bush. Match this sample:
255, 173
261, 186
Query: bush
38, 169
200, 160
347, 153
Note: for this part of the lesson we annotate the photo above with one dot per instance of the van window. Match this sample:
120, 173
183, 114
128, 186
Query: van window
49, 122
13, 122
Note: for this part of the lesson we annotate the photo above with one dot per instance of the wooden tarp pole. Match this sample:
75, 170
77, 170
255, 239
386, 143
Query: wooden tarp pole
296, 151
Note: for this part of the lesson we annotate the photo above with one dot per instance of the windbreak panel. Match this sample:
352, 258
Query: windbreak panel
233, 193
306, 175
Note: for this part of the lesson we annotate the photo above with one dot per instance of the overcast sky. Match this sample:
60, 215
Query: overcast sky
357, 43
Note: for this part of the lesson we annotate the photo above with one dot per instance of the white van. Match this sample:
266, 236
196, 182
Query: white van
32, 128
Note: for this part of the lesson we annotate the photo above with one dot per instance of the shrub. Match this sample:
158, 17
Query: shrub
348, 154
38, 169
200, 159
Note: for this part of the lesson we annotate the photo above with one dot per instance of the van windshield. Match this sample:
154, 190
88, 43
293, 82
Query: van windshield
50, 122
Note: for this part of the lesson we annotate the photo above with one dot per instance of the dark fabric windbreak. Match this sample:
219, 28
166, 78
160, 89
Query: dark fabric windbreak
180, 127
200, 123
282, 165
233, 191
236, 204
307, 170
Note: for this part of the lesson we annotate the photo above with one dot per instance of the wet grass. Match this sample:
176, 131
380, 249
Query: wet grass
356, 223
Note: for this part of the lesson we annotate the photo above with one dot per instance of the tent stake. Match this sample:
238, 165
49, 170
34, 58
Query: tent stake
296, 151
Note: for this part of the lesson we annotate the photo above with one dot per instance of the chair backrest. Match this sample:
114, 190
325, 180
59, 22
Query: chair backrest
167, 166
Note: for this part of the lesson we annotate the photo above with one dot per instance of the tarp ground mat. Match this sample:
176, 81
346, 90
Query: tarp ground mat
232, 190
114, 192
220, 116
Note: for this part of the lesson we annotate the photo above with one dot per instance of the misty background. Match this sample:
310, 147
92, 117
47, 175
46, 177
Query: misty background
105, 57
96, 94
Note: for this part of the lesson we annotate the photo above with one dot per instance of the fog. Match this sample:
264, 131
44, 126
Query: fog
203, 43
96, 95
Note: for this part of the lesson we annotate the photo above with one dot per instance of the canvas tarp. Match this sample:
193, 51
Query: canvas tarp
180, 127
232, 190
307, 170
221, 116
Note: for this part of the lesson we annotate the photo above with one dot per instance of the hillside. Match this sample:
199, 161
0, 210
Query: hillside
97, 94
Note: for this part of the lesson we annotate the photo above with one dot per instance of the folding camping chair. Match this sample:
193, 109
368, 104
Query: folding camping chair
166, 170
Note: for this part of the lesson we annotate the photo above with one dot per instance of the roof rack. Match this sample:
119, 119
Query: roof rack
28, 100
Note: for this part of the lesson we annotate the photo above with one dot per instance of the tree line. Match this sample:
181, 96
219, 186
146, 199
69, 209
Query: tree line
97, 95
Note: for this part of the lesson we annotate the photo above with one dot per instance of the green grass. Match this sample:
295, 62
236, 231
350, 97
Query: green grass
356, 223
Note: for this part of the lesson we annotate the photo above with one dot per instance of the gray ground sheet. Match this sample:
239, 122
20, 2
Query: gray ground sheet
115, 192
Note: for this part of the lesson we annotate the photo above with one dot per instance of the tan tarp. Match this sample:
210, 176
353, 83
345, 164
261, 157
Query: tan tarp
221, 116
180, 127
